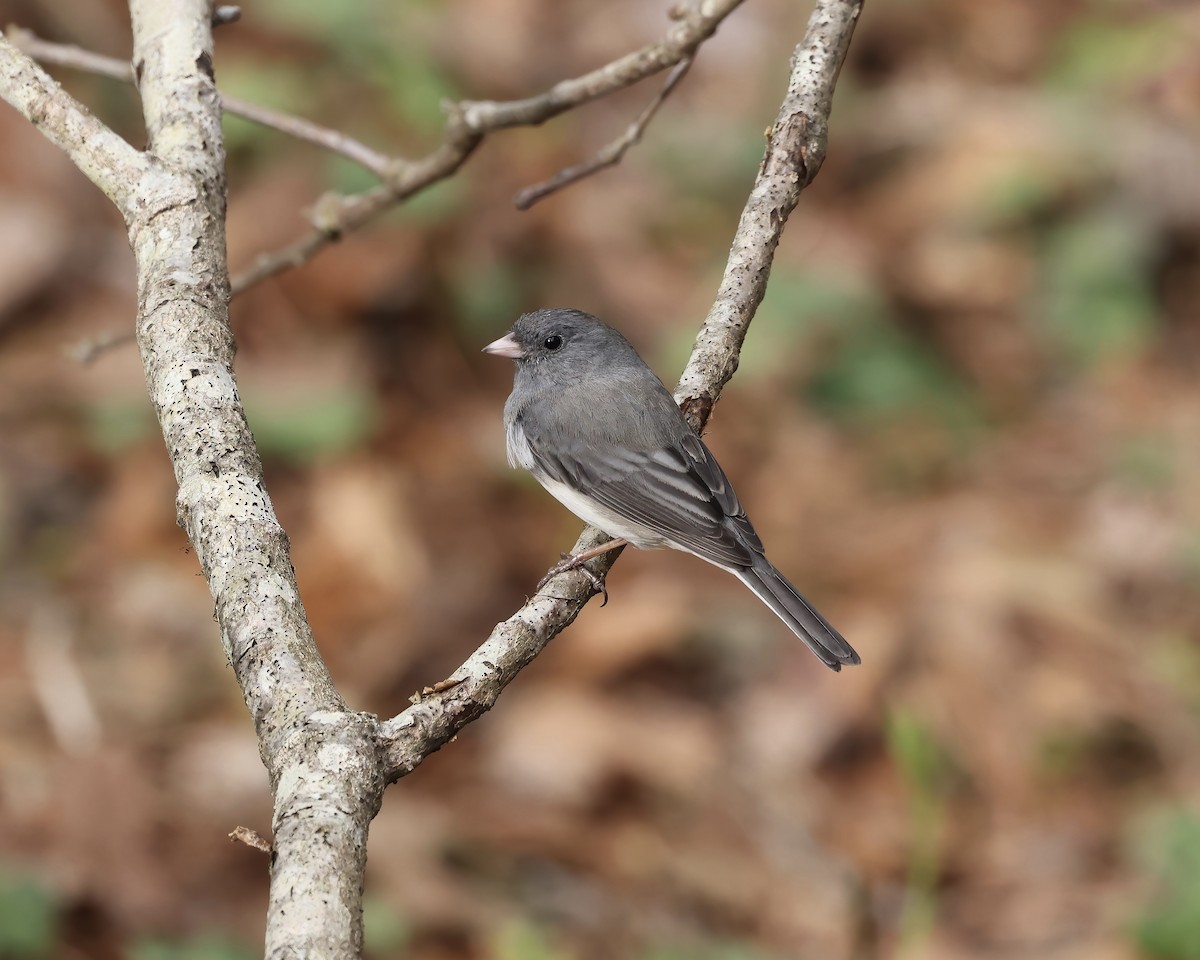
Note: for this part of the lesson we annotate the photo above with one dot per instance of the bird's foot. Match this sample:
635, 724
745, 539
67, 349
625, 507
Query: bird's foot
570, 562
576, 562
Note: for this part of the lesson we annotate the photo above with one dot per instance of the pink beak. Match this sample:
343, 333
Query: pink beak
506, 346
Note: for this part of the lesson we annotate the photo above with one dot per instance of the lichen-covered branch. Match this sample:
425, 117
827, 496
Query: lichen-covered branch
321, 759
103, 157
795, 150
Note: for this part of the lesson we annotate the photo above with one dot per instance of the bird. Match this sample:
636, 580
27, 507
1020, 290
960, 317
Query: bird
602, 434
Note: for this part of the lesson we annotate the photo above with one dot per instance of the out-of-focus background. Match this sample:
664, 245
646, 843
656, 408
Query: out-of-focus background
967, 424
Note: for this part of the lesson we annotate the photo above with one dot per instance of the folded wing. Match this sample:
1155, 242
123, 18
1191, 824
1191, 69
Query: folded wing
679, 491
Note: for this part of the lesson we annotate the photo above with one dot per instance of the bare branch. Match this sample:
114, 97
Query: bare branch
695, 24
795, 149
322, 759
105, 159
76, 58
608, 156
68, 55
332, 140
796, 146
469, 122
85, 351
251, 838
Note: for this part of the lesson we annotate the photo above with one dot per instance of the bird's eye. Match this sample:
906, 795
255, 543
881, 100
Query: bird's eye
552, 342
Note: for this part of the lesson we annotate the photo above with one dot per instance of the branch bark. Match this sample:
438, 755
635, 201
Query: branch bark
320, 757
68, 55
328, 765
102, 156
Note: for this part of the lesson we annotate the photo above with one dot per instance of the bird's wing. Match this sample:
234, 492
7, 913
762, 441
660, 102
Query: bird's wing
679, 491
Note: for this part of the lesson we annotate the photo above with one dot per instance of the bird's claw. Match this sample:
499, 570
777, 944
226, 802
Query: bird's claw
569, 563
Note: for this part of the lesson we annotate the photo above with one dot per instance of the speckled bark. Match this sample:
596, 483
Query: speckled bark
322, 760
795, 151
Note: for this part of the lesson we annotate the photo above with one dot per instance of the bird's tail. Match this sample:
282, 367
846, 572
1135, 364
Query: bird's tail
770, 586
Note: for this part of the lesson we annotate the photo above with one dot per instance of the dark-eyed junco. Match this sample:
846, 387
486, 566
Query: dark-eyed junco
599, 430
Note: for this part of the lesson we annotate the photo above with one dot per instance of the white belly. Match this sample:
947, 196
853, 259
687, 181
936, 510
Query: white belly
612, 523
600, 516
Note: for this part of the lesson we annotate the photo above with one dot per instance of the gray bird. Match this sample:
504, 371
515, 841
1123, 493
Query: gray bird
601, 433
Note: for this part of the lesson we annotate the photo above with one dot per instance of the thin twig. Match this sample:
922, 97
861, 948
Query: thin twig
795, 150
251, 838
86, 351
611, 154
468, 122
76, 58
58, 682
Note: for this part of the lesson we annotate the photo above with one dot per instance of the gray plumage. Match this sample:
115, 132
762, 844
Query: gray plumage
601, 433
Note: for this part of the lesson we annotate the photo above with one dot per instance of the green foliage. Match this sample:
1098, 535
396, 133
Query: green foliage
879, 375
1168, 923
928, 773
321, 423
207, 947
1097, 301
385, 932
1145, 462
115, 425
1098, 53
524, 941
28, 917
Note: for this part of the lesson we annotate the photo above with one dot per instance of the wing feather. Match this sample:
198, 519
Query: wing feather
679, 491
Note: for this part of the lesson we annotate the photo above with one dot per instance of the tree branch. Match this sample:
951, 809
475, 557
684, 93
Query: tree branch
470, 121
467, 124
322, 759
611, 154
103, 157
795, 150
68, 55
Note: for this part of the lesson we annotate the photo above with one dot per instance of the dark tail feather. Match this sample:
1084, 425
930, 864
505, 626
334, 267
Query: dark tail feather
822, 639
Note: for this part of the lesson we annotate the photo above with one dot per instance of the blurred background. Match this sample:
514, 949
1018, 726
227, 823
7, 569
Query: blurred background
966, 423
